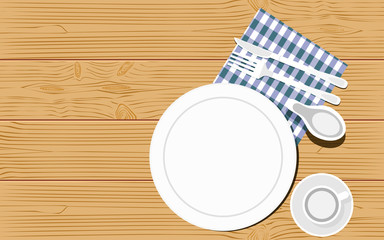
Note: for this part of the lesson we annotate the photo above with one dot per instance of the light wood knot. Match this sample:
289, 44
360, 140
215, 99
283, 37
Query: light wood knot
51, 209
77, 70
338, 29
124, 112
48, 29
124, 68
52, 89
256, 4
261, 232
116, 88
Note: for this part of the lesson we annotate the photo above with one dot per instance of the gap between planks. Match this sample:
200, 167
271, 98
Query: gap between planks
152, 59
142, 180
138, 120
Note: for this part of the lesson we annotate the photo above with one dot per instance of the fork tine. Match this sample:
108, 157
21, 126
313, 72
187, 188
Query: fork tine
242, 60
240, 67
246, 58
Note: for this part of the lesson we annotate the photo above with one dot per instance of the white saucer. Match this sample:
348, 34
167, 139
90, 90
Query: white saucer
340, 218
223, 157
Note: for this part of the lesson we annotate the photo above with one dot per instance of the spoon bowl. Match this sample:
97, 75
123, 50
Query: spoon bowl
323, 122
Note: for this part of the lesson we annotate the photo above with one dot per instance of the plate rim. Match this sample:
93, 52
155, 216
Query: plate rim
285, 180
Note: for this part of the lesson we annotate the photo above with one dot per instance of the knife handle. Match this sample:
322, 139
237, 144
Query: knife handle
337, 81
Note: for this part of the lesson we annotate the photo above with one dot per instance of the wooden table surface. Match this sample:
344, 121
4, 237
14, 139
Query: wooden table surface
84, 82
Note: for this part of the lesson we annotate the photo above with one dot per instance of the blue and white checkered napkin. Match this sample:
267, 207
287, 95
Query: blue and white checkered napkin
268, 32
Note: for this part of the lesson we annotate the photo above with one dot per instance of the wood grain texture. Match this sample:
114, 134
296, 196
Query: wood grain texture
169, 29
99, 89
134, 210
88, 150
144, 89
61, 179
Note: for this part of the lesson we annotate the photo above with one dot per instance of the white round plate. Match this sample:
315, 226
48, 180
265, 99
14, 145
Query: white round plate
223, 157
298, 213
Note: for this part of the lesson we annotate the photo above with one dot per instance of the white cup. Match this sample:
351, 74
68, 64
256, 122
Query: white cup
322, 205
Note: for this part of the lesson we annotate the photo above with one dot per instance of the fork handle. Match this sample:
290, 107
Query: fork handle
328, 97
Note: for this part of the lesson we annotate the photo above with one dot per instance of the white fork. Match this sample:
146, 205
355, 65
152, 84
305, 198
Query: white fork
260, 69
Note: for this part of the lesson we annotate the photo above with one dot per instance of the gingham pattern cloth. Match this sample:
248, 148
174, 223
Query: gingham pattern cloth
268, 32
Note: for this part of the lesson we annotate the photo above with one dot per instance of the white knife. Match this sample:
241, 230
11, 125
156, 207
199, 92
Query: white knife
261, 52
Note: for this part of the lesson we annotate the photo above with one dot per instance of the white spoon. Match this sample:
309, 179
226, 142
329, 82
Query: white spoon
323, 122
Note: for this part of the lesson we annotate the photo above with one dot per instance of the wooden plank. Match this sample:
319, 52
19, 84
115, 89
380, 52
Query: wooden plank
102, 150
144, 89
134, 210
169, 29
97, 90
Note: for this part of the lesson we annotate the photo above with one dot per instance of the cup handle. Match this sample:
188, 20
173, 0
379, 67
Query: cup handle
342, 196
